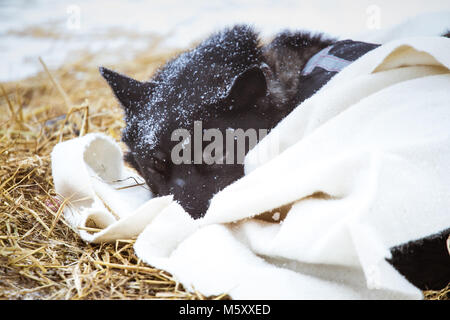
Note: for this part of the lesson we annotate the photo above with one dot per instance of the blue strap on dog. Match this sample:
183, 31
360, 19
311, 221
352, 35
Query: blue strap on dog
325, 61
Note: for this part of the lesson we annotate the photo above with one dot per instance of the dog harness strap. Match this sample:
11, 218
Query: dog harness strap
325, 61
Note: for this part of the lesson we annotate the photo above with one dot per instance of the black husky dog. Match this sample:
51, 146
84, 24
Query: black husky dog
229, 81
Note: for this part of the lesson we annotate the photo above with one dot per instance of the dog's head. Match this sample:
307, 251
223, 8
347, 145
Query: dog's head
221, 84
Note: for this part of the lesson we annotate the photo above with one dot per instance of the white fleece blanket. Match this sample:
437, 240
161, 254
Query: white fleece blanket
361, 166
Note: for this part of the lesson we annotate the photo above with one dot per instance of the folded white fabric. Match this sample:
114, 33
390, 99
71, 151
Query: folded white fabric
360, 167
89, 172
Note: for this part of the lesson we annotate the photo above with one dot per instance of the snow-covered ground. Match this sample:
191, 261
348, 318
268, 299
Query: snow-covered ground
120, 28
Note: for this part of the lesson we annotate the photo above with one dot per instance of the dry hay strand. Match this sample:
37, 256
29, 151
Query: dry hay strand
41, 256
443, 294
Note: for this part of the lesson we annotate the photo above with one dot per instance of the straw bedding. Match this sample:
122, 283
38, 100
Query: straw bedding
41, 256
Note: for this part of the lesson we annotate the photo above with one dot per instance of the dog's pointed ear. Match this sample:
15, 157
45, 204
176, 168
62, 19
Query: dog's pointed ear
248, 87
131, 93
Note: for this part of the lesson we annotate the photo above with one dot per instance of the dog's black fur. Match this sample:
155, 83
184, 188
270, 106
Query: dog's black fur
232, 81
229, 81
424, 262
